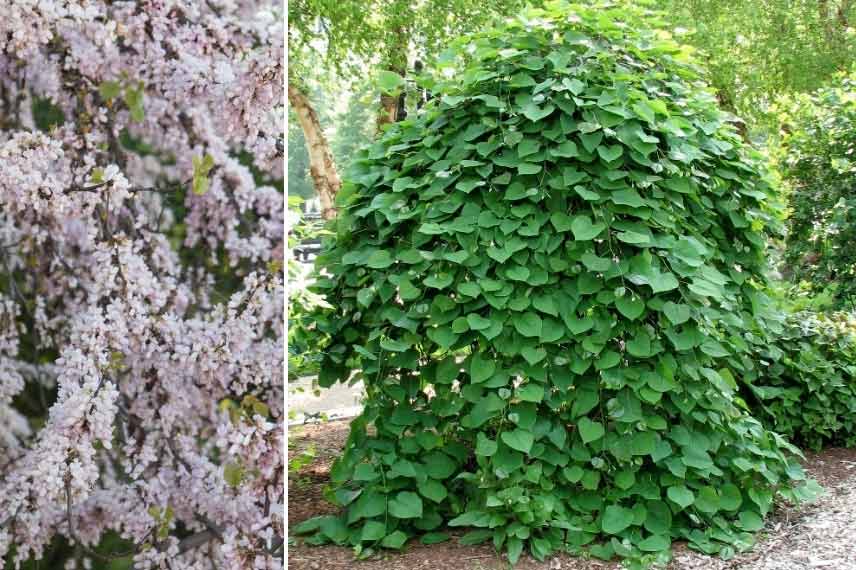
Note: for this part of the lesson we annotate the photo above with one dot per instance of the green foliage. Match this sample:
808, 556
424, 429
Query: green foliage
233, 474
547, 282
379, 33
390, 82
130, 92
46, 115
808, 390
299, 182
347, 129
757, 51
817, 161
355, 125
110, 90
163, 518
201, 168
302, 459
133, 97
304, 342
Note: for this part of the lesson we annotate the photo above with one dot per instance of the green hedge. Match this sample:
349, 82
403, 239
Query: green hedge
817, 161
805, 387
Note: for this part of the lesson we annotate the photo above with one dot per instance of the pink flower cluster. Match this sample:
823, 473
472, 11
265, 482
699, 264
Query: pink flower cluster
140, 319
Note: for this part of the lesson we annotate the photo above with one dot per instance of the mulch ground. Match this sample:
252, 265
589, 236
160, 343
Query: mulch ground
833, 468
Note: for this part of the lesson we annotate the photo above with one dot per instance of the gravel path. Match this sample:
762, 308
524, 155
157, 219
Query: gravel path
308, 403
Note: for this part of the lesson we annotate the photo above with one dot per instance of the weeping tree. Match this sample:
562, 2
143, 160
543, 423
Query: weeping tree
549, 282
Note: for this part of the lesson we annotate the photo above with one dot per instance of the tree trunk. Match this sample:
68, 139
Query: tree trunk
388, 110
392, 106
322, 168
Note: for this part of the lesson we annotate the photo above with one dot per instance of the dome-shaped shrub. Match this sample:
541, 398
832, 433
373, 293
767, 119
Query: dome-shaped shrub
546, 282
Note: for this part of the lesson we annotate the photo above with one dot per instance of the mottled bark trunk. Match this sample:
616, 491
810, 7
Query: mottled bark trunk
322, 168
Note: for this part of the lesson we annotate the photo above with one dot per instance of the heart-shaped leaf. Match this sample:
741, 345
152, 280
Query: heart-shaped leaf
584, 229
519, 440
590, 431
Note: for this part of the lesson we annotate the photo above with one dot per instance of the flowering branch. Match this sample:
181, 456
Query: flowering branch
145, 316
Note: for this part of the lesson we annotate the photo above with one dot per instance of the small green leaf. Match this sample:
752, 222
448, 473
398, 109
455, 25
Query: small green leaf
406, 505
590, 431
677, 314
750, 521
527, 147
681, 495
434, 538
407, 291
201, 168
629, 197
485, 446
535, 113
531, 392
481, 368
640, 345
515, 548
533, 355
610, 153
97, 175
528, 324
567, 149
518, 439
200, 185
477, 322
528, 168
591, 140
655, 543
109, 90
659, 518
616, 519
389, 82
379, 259
625, 479
433, 489
233, 473
372, 530
630, 306
134, 100
394, 540
707, 500
394, 345
561, 221
584, 229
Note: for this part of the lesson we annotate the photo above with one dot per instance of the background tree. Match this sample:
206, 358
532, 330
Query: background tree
817, 162
355, 39
756, 51
346, 128
299, 182
322, 167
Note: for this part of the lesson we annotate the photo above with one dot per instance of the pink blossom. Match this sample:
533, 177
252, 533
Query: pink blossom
117, 285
